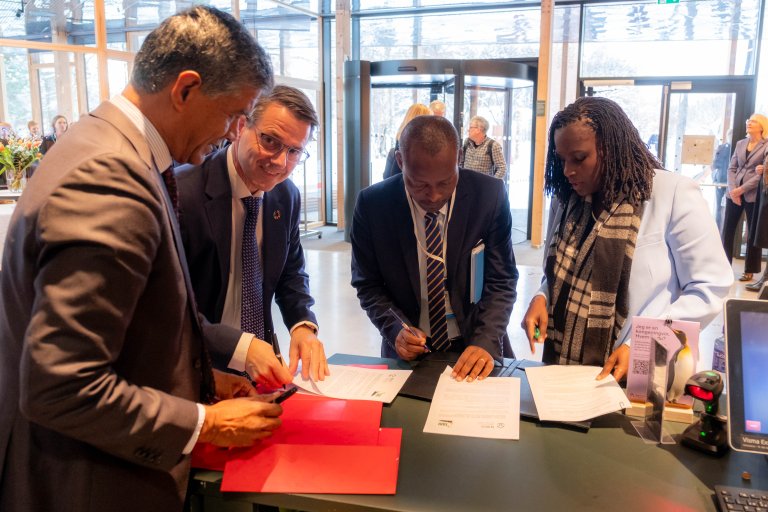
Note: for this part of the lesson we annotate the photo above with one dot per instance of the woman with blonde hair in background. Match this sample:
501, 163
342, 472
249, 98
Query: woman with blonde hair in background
742, 190
417, 109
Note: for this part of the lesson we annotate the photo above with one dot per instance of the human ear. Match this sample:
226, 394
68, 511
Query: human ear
186, 85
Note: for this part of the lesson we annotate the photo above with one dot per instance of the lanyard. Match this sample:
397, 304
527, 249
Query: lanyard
444, 230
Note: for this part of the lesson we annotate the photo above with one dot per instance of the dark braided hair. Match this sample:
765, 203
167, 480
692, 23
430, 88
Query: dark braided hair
626, 164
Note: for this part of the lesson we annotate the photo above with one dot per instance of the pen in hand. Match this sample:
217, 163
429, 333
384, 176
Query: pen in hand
276, 348
407, 327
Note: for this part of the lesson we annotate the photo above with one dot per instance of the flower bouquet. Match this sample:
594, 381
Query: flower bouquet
15, 158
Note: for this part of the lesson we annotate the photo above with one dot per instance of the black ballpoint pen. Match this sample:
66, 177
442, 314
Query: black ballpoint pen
276, 347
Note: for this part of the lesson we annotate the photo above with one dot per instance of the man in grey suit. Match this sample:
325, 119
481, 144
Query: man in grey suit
104, 369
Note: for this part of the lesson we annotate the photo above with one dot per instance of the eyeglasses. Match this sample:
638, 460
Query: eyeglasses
273, 146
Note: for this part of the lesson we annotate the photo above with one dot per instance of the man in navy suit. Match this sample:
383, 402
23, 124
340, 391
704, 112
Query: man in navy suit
395, 256
213, 196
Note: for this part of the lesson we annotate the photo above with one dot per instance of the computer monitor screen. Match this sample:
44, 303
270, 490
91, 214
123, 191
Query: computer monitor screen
746, 342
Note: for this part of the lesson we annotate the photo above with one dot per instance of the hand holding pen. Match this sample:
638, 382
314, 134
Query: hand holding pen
265, 366
535, 321
411, 342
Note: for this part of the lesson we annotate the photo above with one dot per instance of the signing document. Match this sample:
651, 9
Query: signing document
482, 408
571, 393
353, 383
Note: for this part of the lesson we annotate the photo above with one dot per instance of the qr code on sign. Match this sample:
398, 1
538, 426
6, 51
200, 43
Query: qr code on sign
640, 367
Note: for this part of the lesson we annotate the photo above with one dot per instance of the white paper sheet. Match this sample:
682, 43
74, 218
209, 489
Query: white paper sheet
571, 393
488, 408
353, 383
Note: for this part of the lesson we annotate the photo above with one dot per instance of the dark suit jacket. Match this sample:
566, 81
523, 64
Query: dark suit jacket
385, 267
205, 196
99, 345
741, 171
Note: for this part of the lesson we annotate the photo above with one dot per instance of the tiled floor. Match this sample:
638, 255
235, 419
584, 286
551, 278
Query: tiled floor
344, 327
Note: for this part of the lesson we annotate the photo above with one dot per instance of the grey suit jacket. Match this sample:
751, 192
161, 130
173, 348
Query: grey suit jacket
741, 171
99, 344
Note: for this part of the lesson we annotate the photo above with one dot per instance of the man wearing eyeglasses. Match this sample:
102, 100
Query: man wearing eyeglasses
240, 227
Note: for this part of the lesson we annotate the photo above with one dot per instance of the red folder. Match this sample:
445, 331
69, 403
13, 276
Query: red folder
307, 419
335, 469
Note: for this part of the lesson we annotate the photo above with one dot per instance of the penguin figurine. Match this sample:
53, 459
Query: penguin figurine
681, 368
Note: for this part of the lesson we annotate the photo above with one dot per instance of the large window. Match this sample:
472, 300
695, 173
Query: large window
692, 38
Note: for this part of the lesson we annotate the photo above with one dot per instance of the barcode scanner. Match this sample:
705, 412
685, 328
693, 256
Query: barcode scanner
710, 433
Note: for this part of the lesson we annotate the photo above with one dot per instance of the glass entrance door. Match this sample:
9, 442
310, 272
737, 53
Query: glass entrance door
684, 122
506, 103
698, 124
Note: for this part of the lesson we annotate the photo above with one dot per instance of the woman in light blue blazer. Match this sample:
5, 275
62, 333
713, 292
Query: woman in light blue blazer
625, 238
742, 190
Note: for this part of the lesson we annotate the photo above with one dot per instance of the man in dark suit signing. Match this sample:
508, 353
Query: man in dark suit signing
413, 236
240, 259
105, 377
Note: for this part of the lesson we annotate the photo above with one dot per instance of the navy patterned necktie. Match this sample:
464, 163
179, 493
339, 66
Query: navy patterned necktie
252, 310
438, 326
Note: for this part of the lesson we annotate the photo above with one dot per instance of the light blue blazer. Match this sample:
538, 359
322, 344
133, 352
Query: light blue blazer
679, 269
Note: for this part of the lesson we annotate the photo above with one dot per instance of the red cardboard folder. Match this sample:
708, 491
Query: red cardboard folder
335, 469
308, 419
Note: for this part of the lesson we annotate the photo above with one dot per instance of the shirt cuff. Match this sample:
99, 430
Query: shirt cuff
306, 323
193, 440
240, 355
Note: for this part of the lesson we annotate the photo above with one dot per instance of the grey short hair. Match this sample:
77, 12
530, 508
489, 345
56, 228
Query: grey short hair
289, 97
208, 41
481, 122
429, 133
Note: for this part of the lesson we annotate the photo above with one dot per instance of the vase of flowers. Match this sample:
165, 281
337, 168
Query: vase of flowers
15, 158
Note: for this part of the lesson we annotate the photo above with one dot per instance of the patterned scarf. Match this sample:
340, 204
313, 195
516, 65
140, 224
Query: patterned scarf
588, 263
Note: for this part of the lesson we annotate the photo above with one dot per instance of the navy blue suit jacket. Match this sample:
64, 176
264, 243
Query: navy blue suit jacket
205, 200
385, 267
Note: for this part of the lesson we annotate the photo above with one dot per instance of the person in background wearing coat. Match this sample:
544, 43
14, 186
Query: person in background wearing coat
742, 190
625, 238
392, 168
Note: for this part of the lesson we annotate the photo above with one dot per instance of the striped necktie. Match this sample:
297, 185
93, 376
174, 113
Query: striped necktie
252, 310
436, 283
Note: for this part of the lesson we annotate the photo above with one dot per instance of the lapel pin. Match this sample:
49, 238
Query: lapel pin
276, 215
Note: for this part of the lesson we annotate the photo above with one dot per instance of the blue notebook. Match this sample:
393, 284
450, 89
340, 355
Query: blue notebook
476, 269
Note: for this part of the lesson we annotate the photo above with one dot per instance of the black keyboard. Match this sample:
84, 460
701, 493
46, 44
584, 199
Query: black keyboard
741, 498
